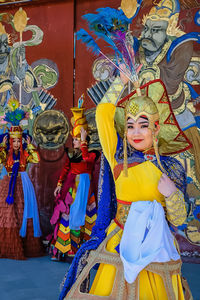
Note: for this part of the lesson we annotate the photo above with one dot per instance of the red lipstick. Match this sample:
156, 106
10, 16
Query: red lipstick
137, 141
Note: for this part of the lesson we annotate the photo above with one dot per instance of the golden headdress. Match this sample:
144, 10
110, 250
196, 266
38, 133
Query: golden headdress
166, 10
155, 104
3, 31
78, 120
142, 105
16, 132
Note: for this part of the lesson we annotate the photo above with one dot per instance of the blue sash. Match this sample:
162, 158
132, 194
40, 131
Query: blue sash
78, 207
30, 207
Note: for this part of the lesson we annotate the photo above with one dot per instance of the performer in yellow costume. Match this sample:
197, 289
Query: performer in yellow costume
138, 258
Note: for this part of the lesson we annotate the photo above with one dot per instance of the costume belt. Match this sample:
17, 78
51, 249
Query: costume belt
123, 208
10, 174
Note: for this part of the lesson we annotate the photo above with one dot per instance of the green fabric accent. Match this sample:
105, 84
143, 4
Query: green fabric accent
75, 232
64, 243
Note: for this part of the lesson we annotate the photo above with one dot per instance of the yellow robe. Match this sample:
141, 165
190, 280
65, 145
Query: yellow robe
140, 185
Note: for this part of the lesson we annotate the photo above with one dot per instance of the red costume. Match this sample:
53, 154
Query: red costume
75, 210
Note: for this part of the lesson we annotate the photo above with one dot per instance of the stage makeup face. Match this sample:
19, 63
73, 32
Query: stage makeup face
139, 135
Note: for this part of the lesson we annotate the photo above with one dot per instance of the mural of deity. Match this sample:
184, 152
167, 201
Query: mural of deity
28, 83
166, 52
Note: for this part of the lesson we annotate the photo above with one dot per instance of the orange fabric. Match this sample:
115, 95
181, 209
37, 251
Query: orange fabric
63, 235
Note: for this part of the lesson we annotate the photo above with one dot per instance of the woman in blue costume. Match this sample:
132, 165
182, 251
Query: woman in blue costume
140, 191
19, 218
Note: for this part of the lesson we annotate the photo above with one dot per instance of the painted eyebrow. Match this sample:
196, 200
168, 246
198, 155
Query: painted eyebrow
141, 122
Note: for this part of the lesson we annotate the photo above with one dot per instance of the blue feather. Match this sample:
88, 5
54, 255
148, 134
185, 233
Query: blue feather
87, 39
10, 200
93, 19
192, 36
107, 38
111, 13
100, 26
110, 25
105, 20
104, 24
14, 117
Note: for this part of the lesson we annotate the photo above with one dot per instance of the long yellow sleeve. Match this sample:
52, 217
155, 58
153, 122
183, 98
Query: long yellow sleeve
114, 92
176, 211
105, 113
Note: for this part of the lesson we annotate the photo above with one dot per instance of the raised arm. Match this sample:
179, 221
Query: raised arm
87, 156
108, 137
105, 114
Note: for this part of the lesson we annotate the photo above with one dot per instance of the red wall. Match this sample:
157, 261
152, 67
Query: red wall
84, 59
56, 20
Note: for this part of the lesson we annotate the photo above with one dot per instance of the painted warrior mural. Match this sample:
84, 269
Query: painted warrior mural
167, 52
18, 79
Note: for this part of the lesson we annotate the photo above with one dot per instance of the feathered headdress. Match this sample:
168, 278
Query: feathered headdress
14, 115
111, 25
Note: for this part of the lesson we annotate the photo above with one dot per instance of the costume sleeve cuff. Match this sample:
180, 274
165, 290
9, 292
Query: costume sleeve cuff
2, 145
176, 211
30, 147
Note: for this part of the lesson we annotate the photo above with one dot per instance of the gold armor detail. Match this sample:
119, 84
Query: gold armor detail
122, 212
176, 211
133, 108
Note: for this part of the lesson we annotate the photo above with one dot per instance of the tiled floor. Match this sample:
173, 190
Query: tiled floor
39, 279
